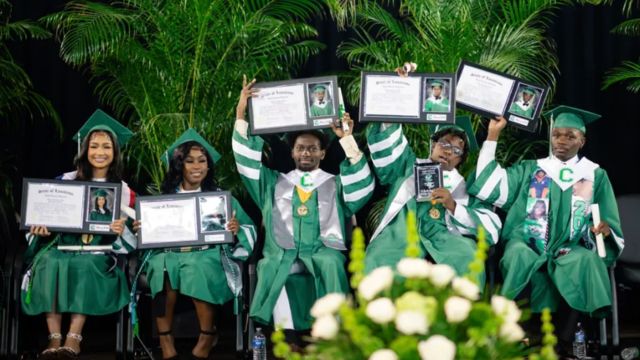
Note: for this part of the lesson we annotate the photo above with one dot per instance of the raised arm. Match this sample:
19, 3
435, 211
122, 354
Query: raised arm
355, 179
493, 183
247, 150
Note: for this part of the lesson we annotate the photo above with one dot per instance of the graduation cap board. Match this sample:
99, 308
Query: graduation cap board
491, 93
569, 117
421, 98
100, 120
463, 123
190, 135
294, 105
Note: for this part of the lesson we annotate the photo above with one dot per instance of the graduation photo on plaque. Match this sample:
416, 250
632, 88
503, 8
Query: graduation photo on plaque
70, 206
428, 177
293, 105
421, 98
439, 99
214, 215
101, 206
526, 106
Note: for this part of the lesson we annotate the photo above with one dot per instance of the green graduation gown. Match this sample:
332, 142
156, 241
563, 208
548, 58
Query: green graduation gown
518, 108
317, 110
448, 239
76, 282
302, 257
441, 105
206, 273
568, 266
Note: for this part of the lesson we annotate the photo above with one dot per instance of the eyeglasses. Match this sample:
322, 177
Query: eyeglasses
448, 147
311, 149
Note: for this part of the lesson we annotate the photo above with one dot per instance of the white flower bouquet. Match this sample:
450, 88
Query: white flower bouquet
417, 311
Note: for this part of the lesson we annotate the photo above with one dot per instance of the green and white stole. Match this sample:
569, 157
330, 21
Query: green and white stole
579, 178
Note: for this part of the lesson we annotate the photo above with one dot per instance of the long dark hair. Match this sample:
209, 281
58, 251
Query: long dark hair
83, 166
106, 204
173, 177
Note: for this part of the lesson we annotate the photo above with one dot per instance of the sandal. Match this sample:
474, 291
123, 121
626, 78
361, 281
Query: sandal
168, 333
214, 342
50, 353
67, 352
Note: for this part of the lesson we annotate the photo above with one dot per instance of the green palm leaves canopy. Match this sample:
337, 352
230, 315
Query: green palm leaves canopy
173, 65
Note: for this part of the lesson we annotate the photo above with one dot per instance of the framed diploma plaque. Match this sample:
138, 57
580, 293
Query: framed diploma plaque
70, 206
416, 98
293, 105
428, 176
491, 93
189, 219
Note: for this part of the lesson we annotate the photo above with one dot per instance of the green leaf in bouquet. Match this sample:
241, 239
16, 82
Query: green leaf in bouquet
406, 347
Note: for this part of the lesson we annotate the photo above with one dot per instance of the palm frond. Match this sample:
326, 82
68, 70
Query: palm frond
628, 27
628, 72
22, 30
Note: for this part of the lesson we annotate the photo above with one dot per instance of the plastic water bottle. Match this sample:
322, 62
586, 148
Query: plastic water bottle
630, 353
259, 345
579, 343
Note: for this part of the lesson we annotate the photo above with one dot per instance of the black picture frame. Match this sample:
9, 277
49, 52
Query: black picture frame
424, 116
313, 121
59, 189
204, 232
427, 177
525, 123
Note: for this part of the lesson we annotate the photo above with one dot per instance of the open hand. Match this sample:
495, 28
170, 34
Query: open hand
246, 92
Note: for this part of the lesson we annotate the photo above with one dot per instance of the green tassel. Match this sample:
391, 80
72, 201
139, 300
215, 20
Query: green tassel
27, 299
236, 305
136, 330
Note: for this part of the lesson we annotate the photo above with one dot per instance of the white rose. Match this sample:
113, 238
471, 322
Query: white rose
412, 322
327, 305
383, 354
381, 311
505, 308
457, 309
437, 347
414, 268
377, 280
441, 275
511, 332
466, 288
325, 327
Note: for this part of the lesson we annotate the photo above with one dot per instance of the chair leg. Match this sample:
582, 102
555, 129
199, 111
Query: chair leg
252, 288
120, 354
615, 329
603, 332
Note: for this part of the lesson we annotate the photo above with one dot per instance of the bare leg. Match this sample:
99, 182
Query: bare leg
165, 322
77, 323
54, 324
205, 313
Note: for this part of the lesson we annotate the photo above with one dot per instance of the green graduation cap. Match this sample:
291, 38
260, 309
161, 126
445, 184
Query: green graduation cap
437, 83
463, 123
101, 193
190, 135
319, 88
100, 120
528, 90
570, 117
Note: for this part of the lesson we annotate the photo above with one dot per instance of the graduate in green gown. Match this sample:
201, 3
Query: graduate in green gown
80, 283
556, 253
303, 212
322, 105
447, 225
208, 274
525, 105
101, 211
436, 102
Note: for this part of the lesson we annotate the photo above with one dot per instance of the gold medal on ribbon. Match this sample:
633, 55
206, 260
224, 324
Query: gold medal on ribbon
303, 210
87, 238
434, 213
